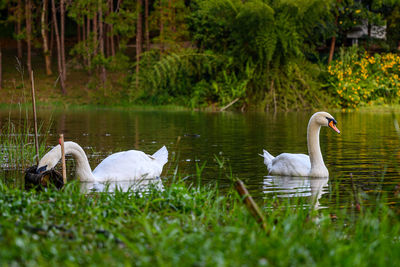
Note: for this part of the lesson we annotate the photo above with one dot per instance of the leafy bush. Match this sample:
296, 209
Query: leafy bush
172, 78
359, 79
252, 51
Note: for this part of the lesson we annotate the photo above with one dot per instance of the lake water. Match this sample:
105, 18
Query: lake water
365, 157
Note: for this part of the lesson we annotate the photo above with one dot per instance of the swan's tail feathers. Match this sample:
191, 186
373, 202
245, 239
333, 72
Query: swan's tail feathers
161, 155
267, 158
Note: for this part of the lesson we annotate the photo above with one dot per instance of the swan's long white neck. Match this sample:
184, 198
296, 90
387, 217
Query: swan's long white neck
314, 150
83, 169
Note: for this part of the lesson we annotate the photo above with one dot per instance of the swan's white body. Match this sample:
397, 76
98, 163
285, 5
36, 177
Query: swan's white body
121, 166
287, 164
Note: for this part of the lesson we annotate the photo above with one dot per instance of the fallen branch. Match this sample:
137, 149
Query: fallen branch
355, 193
230, 104
251, 204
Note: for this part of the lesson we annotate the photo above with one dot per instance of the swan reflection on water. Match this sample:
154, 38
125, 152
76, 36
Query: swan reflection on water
139, 186
287, 187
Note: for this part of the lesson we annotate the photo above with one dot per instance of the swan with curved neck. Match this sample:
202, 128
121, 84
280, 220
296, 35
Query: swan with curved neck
299, 164
121, 166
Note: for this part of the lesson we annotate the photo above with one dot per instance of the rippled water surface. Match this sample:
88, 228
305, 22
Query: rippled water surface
364, 157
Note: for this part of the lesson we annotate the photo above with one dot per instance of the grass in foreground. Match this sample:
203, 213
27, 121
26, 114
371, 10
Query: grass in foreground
185, 226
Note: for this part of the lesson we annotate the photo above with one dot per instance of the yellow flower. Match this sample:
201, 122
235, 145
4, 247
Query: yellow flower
358, 11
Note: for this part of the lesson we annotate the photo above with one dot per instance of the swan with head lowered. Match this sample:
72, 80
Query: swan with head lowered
312, 165
121, 166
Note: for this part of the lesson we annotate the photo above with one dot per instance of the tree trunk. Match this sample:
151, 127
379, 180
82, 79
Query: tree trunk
101, 45
51, 39
84, 39
58, 42
117, 36
333, 42
146, 23
112, 30
95, 31
138, 39
78, 32
28, 17
107, 37
62, 39
161, 28
19, 19
139, 28
44, 31
1, 70
112, 41
332, 49
89, 61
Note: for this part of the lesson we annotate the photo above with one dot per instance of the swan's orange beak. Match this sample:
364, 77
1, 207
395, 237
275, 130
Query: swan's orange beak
333, 126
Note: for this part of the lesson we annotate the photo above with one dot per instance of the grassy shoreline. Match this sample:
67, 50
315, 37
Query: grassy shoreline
187, 226
60, 105
148, 107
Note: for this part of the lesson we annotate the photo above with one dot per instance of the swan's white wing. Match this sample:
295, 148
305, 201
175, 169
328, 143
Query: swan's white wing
127, 165
290, 165
268, 158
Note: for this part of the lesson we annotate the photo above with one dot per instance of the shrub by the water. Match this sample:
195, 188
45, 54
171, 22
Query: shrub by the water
359, 78
257, 66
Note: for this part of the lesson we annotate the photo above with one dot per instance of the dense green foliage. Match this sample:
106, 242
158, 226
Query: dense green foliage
186, 226
255, 51
259, 54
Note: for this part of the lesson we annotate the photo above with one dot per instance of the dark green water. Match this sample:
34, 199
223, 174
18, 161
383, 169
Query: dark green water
367, 150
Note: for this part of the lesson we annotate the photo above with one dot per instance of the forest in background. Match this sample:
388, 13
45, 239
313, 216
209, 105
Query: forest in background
270, 55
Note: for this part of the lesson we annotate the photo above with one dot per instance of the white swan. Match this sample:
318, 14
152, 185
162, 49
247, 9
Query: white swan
287, 164
121, 166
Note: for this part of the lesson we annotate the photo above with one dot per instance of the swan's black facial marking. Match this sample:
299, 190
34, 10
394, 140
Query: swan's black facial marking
41, 169
331, 119
332, 124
